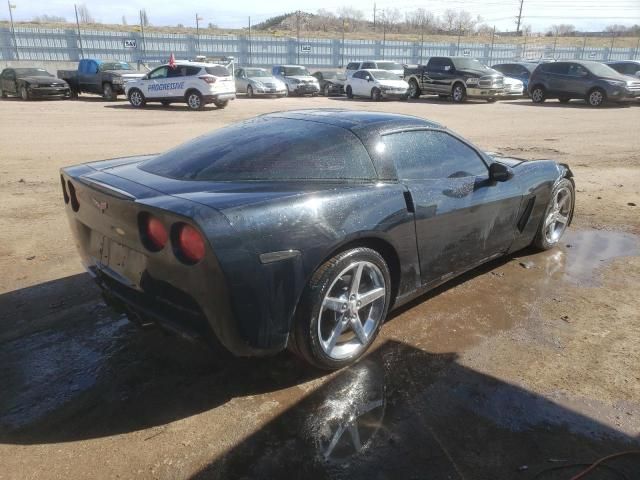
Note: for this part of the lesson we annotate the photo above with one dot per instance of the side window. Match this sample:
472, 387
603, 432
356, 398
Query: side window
353, 66
178, 71
358, 74
558, 68
435, 65
428, 154
239, 73
368, 65
193, 71
160, 72
576, 70
447, 65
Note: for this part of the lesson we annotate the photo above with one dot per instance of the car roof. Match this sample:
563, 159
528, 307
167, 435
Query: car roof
354, 119
197, 64
624, 61
290, 66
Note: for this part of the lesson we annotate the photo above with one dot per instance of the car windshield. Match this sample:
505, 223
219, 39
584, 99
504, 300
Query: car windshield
256, 72
25, 72
115, 66
295, 71
602, 70
469, 63
389, 66
333, 75
384, 75
266, 148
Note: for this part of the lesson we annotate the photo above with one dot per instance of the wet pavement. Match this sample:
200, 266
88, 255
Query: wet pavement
421, 405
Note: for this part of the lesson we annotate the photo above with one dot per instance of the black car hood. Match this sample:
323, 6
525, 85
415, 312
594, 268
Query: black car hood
480, 73
41, 79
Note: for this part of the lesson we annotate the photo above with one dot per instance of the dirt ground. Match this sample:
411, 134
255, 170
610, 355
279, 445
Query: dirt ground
525, 366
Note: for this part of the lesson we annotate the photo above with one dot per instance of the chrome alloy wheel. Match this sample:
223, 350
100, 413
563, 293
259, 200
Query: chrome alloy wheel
194, 101
537, 95
558, 217
135, 98
458, 93
596, 98
351, 310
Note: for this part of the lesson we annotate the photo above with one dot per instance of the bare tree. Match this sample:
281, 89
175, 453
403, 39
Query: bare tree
83, 14
49, 19
562, 29
449, 18
465, 22
391, 17
420, 20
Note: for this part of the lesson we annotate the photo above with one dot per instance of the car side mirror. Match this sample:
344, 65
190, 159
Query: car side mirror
499, 172
368, 78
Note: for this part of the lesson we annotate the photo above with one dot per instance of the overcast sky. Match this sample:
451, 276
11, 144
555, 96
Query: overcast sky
584, 14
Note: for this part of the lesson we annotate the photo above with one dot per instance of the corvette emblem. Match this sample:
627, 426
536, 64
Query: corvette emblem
102, 206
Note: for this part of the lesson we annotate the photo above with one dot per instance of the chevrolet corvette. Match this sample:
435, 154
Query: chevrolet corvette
303, 229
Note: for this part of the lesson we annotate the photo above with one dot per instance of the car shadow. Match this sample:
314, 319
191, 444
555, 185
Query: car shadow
425, 100
405, 413
577, 103
174, 107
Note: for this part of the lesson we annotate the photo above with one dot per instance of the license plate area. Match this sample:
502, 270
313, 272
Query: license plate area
119, 261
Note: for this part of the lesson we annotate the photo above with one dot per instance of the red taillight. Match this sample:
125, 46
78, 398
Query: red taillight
190, 244
208, 78
156, 234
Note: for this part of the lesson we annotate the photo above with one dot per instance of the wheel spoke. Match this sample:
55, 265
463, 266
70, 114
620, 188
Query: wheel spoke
561, 218
370, 296
355, 281
563, 201
356, 326
337, 331
334, 304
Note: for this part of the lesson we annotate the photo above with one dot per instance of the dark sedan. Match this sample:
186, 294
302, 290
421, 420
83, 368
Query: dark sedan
303, 229
29, 83
331, 83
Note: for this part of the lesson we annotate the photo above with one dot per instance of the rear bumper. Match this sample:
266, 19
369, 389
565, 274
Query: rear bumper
219, 97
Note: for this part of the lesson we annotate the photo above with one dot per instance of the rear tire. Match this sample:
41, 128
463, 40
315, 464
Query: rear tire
564, 99
334, 326
459, 93
376, 95
349, 92
108, 93
165, 103
491, 100
194, 100
2, 94
221, 103
557, 216
538, 94
596, 97
136, 98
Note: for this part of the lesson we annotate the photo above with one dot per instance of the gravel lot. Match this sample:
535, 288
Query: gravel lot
529, 363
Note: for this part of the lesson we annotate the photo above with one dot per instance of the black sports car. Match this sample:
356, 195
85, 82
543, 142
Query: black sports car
302, 229
29, 83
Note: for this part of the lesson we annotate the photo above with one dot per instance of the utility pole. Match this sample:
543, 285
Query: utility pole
519, 17
421, 39
384, 32
250, 59
343, 28
459, 35
584, 46
144, 43
13, 30
198, 18
493, 37
374, 16
79, 34
298, 34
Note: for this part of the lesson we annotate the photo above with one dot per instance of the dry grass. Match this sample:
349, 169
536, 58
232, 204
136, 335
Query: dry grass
541, 40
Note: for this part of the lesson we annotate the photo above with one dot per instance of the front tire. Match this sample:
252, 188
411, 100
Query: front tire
136, 98
538, 95
342, 309
3, 94
596, 97
458, 93
376, 95
414, 89
557, 216
24, 93
349, 92
249, 91
326, 91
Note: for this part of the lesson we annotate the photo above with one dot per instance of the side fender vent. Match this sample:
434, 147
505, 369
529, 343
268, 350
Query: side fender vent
524, 218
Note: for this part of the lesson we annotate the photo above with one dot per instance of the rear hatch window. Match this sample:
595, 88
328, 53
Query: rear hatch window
218, 71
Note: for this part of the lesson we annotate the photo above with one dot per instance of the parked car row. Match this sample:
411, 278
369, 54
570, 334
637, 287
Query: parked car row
456, 78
